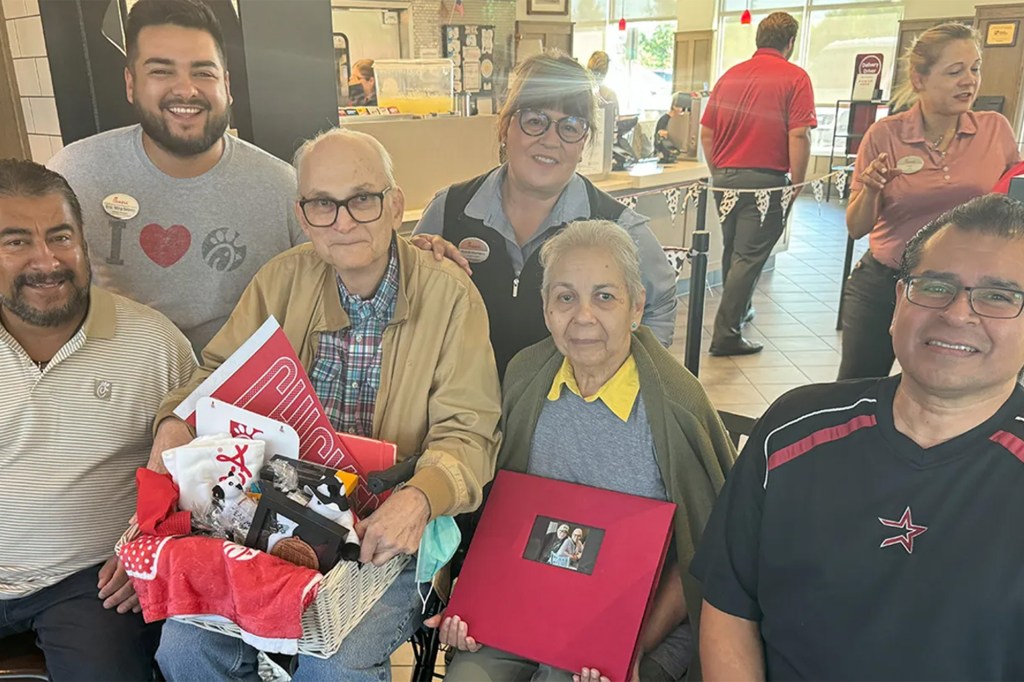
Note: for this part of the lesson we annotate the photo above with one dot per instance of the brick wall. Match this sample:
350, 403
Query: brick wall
32, 71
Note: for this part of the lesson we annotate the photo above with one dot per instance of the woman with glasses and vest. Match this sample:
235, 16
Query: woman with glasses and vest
495, 224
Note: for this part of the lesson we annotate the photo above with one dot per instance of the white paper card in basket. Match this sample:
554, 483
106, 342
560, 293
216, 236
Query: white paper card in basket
216, 416
209, 460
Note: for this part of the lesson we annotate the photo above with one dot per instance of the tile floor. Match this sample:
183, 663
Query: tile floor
796, 305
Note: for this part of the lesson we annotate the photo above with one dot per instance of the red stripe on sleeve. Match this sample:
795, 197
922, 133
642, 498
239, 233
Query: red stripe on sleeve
1011, 442
804, 445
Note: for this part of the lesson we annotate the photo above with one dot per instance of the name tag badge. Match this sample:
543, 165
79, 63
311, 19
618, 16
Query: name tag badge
910, 164
474, 250
121, 206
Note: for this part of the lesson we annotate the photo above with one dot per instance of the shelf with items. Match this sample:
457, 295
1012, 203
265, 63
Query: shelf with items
860, 115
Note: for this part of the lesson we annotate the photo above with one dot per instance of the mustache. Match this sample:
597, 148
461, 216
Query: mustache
55, 277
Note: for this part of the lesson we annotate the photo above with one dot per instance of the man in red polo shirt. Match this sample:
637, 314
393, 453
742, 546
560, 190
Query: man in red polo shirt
755, 129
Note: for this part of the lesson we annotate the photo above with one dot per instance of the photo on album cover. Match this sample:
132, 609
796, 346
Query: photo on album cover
562, 543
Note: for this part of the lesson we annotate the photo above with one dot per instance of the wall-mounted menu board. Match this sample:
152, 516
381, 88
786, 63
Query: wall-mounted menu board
471, 48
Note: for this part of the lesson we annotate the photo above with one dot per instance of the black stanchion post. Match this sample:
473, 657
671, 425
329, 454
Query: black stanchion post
695, 313
847, 267
698, 280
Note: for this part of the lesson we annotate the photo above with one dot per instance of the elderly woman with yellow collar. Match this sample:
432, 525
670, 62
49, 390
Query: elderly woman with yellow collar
602, 403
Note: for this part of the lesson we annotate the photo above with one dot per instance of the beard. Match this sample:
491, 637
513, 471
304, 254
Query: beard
156, 128
78, 299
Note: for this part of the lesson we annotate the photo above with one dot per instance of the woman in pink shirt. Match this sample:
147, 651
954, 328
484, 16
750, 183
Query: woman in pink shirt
911, 167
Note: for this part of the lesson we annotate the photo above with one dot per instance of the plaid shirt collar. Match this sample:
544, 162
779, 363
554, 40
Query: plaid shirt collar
381, 305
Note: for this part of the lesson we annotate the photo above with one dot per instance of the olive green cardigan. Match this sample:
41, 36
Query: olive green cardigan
692, 447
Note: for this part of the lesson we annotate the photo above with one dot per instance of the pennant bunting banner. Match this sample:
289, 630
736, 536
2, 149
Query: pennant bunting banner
787, 196
841, 184
672, 199
762, 198
729, 199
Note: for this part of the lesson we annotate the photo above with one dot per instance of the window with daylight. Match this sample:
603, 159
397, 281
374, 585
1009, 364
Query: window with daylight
832, 34
640, 58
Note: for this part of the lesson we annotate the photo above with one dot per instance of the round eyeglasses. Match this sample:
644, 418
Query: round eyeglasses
997, 302
571, 129
364, 207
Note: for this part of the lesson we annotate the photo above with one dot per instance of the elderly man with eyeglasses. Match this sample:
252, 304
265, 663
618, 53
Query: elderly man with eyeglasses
870, 528
396, 346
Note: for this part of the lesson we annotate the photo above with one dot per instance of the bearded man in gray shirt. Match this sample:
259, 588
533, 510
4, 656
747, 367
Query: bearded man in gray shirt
178, 214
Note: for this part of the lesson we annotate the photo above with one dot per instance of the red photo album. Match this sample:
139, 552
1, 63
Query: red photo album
563, 574
265, 376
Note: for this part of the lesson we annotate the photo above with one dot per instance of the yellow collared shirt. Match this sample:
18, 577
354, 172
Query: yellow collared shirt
618, 393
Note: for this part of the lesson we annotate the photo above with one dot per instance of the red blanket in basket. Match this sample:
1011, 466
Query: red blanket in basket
201, 576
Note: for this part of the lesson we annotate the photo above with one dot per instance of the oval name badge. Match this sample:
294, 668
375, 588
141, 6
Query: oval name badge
474, 249
910, 164
121, 206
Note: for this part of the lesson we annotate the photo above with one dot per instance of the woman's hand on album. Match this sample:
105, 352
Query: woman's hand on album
594, 675
442, 249
879, 172
454, 632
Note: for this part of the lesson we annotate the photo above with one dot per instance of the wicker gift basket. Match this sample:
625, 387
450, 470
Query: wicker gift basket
346, 594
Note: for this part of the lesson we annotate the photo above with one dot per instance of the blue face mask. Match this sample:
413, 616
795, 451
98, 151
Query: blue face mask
440, 539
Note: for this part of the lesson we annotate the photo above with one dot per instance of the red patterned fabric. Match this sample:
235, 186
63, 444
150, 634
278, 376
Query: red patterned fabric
263, 595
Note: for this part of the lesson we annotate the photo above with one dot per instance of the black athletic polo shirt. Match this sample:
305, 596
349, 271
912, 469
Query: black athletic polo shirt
864, 556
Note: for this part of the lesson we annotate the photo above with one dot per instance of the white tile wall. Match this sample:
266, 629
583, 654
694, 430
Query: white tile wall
12, 37
30, 36
27, 76
40, 146
26, 110
44, 113
14, 9
32, 73
43, 72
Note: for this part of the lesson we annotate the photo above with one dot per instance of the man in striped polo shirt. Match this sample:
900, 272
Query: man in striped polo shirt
871, 529
83, 373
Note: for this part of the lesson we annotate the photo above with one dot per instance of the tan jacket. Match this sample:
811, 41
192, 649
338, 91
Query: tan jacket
439, 391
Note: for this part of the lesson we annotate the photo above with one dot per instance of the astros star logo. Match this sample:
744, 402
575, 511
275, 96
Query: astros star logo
906, 539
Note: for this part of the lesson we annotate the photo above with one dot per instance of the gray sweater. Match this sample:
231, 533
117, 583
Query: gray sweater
195, 243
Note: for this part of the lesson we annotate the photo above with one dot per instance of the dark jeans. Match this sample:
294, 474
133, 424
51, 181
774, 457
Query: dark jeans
80, 639
747, 244
869, 300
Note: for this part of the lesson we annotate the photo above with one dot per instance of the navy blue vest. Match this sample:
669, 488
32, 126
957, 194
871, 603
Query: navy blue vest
513, 299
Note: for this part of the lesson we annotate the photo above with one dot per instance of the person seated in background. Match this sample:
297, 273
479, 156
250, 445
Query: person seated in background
362, 90
868, 528
396, 346
76, 414
681, 102
598, 67
601, 395
499, 220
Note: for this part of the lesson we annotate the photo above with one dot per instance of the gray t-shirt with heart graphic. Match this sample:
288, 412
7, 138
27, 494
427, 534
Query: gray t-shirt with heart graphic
195, 243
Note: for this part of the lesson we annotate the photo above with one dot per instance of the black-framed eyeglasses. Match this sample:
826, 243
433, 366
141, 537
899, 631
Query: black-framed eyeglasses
364, 207
998, 302
535, 123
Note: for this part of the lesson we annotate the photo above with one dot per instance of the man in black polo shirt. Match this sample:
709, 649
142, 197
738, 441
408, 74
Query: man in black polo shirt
871, 529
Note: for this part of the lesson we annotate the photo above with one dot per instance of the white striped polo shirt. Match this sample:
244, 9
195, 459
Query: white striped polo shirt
72, 436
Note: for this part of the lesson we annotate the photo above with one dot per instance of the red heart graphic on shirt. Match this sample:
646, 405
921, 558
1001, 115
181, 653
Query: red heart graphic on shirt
165, 246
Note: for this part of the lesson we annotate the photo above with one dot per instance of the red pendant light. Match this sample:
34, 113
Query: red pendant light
622, 24
745, 17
